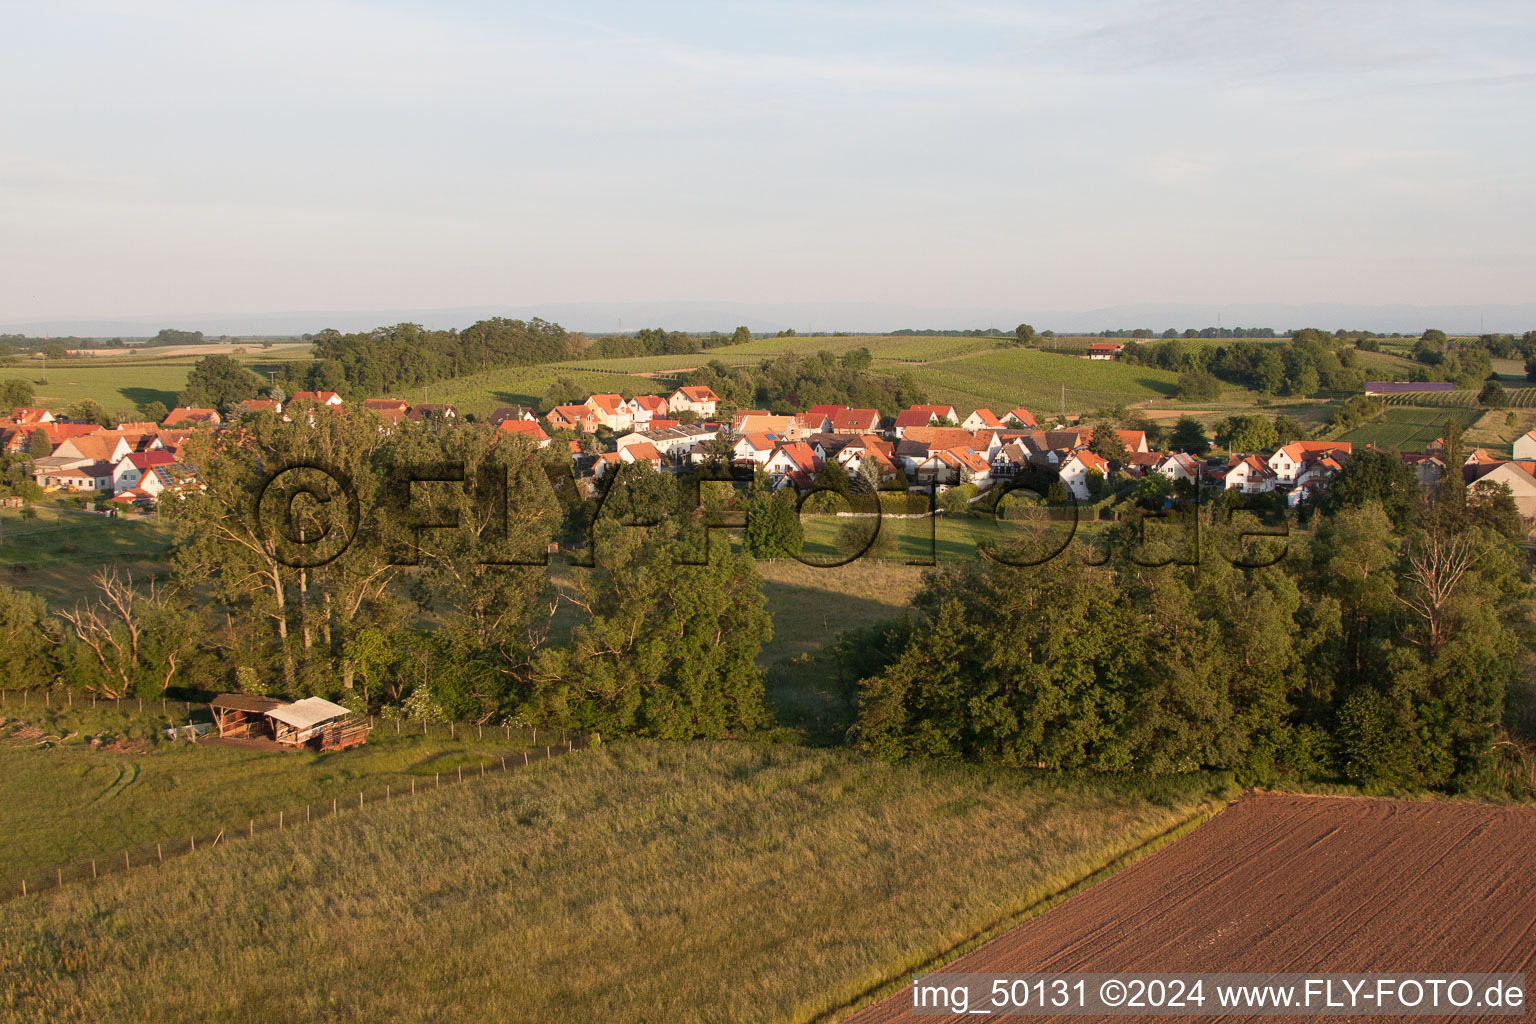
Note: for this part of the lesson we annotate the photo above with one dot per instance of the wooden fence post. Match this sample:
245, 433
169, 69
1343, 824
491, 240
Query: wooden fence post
279, 821
333, 807
125, 860
23, 886
93, 869
359, 799
461, 773
158, 855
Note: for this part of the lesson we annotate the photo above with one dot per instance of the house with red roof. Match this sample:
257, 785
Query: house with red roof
1247, 473
612, 411
1074, 472
1518, 476
1288, 460
644, 451
645, 408
923, 416
130, 469
525, 428
572, 417
193, 416
981, 418
856, 421
1180, 466
1021, 418
393, 410
30, 416
330, 398
697, 399
793, 463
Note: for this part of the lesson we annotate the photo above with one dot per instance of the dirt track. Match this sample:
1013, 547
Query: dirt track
1291, 883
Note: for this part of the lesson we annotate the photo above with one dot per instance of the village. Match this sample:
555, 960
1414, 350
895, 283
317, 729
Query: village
931, 448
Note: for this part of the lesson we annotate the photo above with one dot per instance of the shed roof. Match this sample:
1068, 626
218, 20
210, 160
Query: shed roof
307, 713
244, 702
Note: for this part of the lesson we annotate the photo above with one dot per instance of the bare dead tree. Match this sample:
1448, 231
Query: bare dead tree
1436, 566
112, 628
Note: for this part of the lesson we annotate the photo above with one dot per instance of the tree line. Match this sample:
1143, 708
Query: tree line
426, 597
791, 383
1388, 648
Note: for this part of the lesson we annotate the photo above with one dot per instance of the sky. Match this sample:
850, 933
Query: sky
193, 156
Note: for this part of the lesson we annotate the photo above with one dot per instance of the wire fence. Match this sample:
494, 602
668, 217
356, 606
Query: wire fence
554, 744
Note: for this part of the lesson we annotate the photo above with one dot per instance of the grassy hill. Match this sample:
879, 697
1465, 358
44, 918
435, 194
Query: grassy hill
964, 372
643, 881
121, 382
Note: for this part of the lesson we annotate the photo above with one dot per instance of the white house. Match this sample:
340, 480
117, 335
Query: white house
1249, 474
672, 442
698, 399
1525, 446
611, 411
130, 469
757, 447
644, 408
792, 463
95, 476
1177, 466
1021, 418
1074, 472
1518, 477
981, 419
1288, 459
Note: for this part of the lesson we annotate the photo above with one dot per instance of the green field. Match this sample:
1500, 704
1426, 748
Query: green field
639, 881
1001, 379
70, 803
58, 550
1519, 398
122, 382
1408, 428
965, 372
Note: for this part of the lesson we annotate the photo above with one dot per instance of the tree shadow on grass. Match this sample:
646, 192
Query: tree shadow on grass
803, 683
143, 396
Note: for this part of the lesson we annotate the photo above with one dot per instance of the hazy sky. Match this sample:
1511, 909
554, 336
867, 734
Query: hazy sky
168, 156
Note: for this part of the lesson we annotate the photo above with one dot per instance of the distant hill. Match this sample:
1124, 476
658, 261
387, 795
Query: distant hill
871, 317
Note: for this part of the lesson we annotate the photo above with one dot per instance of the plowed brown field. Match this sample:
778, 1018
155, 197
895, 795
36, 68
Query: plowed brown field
1291, 884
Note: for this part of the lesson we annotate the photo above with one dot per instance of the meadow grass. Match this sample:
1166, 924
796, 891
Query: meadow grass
60, 549
480, 393
120, 383
69, 802
640, 881
1002, 379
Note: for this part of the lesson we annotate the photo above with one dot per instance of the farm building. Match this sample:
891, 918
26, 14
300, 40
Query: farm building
312, 722
241, 715
315, 721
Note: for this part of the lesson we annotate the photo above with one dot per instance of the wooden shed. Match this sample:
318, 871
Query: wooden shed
316, 722
241, 715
